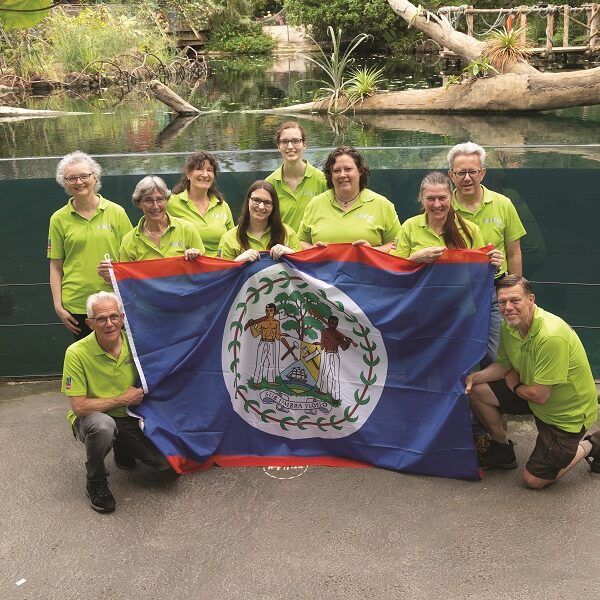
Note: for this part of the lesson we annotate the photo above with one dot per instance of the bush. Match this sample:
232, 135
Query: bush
374, 17
240, 38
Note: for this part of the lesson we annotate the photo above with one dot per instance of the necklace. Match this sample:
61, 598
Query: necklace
347, 202
157, 234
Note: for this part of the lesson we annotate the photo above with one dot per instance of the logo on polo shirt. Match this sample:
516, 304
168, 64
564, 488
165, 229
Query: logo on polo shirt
495, 220
106, 226
49, 244
176, 244
366, 216
68, 383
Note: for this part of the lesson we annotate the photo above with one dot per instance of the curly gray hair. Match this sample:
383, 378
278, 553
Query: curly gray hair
74, 158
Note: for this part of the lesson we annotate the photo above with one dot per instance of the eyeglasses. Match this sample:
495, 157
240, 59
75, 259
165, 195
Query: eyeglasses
258, 201
151, 201
294, 142
471, 173
83, 178
114, 318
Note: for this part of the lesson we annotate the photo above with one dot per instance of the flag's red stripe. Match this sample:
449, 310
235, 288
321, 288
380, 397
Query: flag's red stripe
381, 260
168, 267
185, 465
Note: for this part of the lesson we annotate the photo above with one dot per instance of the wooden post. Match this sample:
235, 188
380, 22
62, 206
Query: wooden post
593, 17
565, 25
523, 24
549, 31
470, 21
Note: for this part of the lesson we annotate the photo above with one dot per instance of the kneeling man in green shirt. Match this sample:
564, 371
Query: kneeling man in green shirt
541, 369
99, 378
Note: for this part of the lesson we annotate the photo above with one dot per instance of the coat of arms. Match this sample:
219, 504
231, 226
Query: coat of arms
300, 358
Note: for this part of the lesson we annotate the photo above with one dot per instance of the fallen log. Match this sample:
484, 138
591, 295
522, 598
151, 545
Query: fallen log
504, 93
171, 99
27, 113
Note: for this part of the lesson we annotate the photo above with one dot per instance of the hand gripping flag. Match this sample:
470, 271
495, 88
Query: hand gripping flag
333, 356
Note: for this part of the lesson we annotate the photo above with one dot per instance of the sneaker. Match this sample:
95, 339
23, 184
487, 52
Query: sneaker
593, 457
123, 459
482, 443
101, 500
497, 456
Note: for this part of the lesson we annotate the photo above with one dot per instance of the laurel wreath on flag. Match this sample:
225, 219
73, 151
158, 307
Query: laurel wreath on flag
367, 376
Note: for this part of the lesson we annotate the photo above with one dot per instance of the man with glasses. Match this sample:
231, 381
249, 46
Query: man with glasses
542, 368
99, 378
495, 215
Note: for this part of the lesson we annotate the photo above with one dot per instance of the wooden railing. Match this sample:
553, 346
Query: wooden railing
555, 16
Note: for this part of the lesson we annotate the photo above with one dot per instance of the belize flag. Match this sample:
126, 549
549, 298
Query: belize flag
339, 356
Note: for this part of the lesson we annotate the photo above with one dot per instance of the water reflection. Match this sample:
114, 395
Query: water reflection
133, 121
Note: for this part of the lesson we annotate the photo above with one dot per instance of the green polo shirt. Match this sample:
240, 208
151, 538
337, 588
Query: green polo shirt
81, 245
179, 237
293, 204
552, 354
211, 226
416, 235
90, 371
372, 218
498, 220
230, 248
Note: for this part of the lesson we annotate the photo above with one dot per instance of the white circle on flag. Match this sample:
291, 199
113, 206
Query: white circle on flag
300, 358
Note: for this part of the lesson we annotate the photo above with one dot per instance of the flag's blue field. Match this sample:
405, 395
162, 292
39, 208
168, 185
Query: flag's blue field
332, 356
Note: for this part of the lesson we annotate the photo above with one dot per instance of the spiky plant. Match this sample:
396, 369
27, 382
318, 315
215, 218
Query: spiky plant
363, 82
334, 67
504, 47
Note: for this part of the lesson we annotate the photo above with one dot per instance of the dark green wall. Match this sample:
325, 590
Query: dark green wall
558, 208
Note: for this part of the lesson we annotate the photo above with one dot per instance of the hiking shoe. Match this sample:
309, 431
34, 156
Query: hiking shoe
497, 456
593, 458
123, 459
101, 500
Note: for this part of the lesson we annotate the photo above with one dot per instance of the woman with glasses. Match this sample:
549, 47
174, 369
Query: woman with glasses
157, 235
80, 234
348, 212
424, 238
260, 228
197, 199
297, 182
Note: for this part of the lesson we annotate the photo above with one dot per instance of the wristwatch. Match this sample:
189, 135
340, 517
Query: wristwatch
517, 387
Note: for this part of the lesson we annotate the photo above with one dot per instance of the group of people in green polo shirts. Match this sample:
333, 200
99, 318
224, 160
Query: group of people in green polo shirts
298, 207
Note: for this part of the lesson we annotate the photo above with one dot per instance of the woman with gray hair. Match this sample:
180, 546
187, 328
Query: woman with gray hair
158, 234
80, 234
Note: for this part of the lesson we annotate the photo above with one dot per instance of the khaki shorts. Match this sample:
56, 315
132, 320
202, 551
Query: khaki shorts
554, 448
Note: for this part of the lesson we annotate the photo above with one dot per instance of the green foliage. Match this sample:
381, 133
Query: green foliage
479, 67
71, 43
334, 67
22, 20
240, 38
374, 17
364, 82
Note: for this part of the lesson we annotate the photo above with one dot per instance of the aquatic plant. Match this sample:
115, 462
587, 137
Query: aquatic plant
363, 82
334, 67
504, 47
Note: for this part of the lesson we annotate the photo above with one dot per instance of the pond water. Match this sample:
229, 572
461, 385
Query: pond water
548, 164
120, 122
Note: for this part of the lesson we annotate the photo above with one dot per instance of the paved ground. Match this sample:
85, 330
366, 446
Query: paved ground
241, 534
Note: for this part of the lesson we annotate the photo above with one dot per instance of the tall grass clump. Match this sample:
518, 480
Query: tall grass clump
66, 43
334, 67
